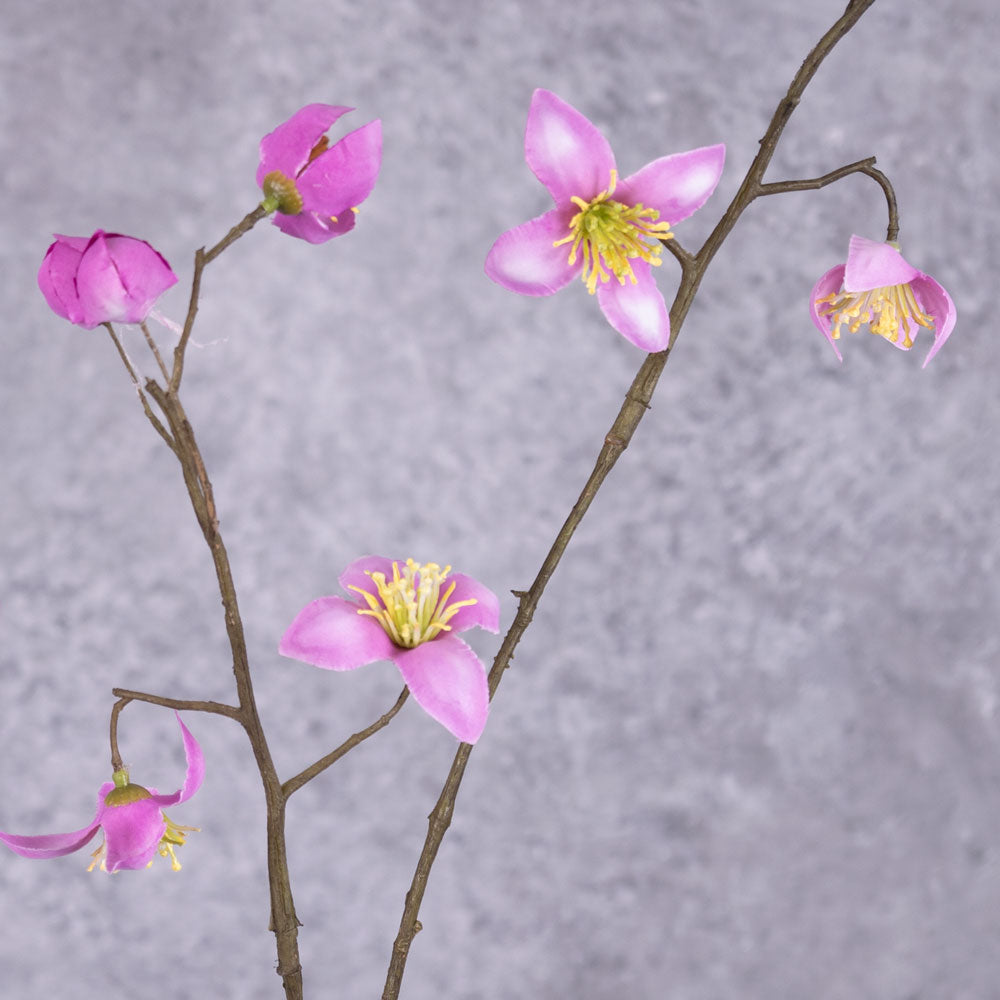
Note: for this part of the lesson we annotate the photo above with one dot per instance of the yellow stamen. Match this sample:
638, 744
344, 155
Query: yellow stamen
411, 607
609, 235
886, 311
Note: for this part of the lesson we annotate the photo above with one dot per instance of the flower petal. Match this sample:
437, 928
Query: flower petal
132, 833
637, 311
312, 228
341, 178
448, 681
875, 265
565, 150
356, 573
937, 303
675, 185
330, 633
195, 770
54, 845
485, 612
119, 279
829, 284
57, 276
524, 260
287, 148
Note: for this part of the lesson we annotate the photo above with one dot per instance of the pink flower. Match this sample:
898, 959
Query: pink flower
135, 828
406, 613
107, 278
601, 227
316, 188
879, 288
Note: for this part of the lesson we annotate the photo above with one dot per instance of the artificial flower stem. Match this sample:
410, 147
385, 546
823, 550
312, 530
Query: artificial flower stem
284, 923
865, 166
201, 258
295, 783
634, 406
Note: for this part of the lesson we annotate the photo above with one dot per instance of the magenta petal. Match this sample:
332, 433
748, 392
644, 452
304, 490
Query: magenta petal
119, 279
341, 178
195, 770
937, 303
312, 228
132, 834
875, 265
57, 276
485, 612
330, 633
54, 845
637, 311
449, 683
565, 150
356, 573
287, 148
829, 284
524, 260
675, 185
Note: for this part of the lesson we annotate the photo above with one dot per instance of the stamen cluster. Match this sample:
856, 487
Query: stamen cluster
411, 607
610, 234
885, 310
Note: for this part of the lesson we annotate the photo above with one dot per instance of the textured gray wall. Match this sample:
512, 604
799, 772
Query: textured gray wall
750, 746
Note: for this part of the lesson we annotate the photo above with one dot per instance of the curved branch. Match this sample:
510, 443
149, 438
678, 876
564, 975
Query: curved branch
865, 166
294, 784
177, 704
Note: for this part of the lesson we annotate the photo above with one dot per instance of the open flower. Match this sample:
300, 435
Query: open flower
409, 614
135, 827
878, 288
601, 228
316, 188
104, 278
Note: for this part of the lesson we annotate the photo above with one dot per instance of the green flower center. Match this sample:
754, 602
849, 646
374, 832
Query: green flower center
884, 310
610, 235
281, 194
413, 607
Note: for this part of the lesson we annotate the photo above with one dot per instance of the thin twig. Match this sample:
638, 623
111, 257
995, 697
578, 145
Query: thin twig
156, 351
177, 704
294, 784
633, 408
153, 419
201, 258
865, 166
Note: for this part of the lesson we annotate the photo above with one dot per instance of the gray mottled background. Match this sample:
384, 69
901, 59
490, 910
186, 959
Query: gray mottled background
750, 746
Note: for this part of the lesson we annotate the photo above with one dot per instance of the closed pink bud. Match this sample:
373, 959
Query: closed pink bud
107, 278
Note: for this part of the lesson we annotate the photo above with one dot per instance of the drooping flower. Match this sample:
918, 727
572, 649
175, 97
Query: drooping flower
407, 613
134, 824
104, 278
315, 188
605, 230
878, 288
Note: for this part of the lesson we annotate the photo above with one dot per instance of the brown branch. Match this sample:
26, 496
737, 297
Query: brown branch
156, 351
294, 784
177, 704
633, 408
866, 166
201, 258
153, 419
